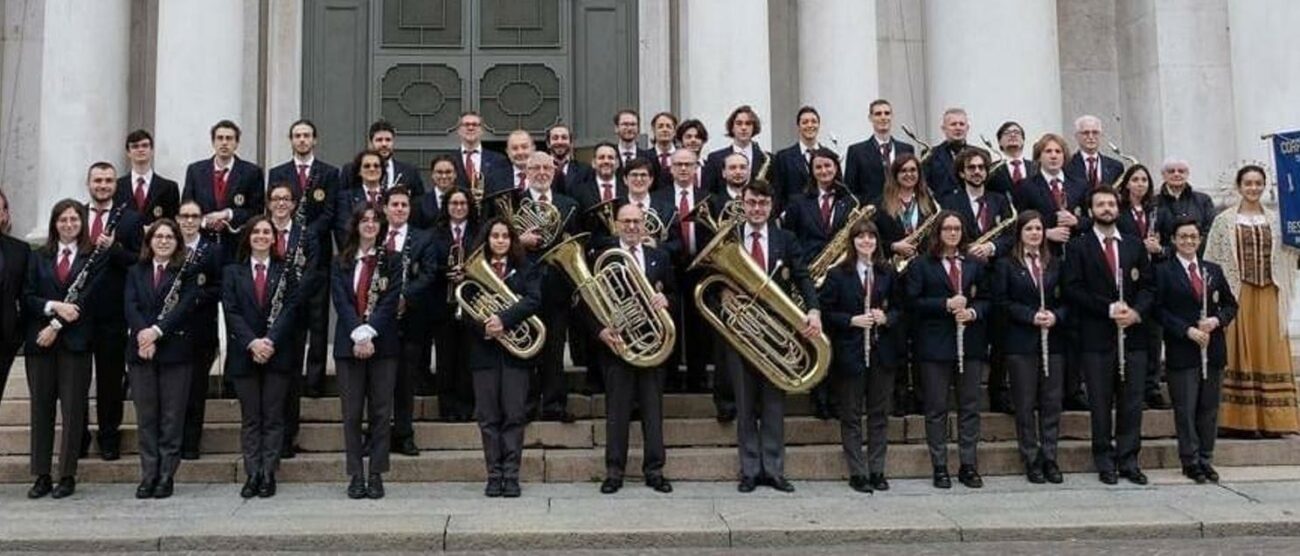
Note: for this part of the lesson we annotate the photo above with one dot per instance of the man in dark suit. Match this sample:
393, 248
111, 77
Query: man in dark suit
603, 187
1089, 166
382, 139
13, 271
939, 169
486, 165
1107, 281
1015, 167
148, 194
867, 162
228, 188
519, 150
742, 127
760, 406
627, 126
559, 142
791, 170
686, 236
315, 183
663, 128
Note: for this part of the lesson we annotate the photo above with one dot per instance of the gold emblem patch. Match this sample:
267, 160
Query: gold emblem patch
157, 212
1134, 274
318, 195
239, 199
203, 279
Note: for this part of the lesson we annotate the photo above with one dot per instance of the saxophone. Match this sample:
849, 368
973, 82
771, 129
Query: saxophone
1001, 225
926, 148
839, 245
915, 238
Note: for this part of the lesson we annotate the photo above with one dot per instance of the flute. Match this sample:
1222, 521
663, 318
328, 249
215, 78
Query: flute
1120, 328
1205, 313
866, 334
1043, 332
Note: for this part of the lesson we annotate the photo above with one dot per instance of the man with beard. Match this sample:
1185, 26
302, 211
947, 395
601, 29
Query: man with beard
559, 142
383, 137
627, 125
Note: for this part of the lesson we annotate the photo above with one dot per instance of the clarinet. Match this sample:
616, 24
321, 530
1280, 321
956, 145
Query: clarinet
1205, 313
1119, 328
406, 266
174, 292
372, 298
74, 291
297, 261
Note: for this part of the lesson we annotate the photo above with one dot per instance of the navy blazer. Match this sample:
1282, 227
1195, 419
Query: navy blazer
587, 194
14, 257
349, 200
865, 170
711, 176
999, 208
440, 299
1111, 170
791, 176
842, 298
1036, 194
407, 175
803, 218
143, 304
106, 307
247, 321
1016, 293
383, 319
209, 269
419, 266
935, 329
42, 287
680, 253
433, 207
320, 206
163, 200
940, 175
572, 172
1090, 289
245, 189
1177, 308
485, 353
1000, 180
491, 164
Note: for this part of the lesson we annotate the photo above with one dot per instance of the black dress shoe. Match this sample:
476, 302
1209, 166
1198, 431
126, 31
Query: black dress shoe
510, 488
726, 415
860, 484
1000, 402
1194, 473
1052, 472
1077, 402
659, 484
1209, 472
970, 477
65, 488
941, 478
111, 453
288, 452
1155, 400
1108, 477
1034, 473
406, 447
822, 412
375, 487
1135, 476
493, 488
610, 486
267, 488
357, 487
189, 455
780, 483
251, 486
146, 488
42, 487
165, 488
878, 481
747, 485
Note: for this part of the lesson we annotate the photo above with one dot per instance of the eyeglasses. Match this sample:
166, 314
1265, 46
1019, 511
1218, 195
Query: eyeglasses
975, 166
373, 166
758, 202
639, 175
188, 216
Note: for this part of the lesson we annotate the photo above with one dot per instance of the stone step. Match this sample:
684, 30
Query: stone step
223, 438
818, 462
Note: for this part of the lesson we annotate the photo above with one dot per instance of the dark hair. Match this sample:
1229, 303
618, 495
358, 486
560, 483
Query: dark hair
964, 157
891, 203
744, 109
805, 109
690, 124
100, 165
52, 236
1018, 248
1123, 191
137, 136
823, 152
1186, 221
1042, 142
1102, 190
664, 114
468, 113
356, 164
212, 132
604, 145
440, 158
1241, 173
634, 114
245, 249
556, 126
872, 107
280, 185
348, 253
516, 253
400, 189
638, 164
302, 121
936, 235
864, 226
4, 230
178, 254
755, 187
189, 202
444, 212
378, 126
1006, 126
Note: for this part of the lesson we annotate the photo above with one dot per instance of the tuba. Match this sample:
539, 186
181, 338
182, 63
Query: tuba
483, 294
619, 297
839, 245
756, 318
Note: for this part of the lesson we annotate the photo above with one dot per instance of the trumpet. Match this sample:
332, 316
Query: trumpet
483, 294
926, 148
915, 238
476, 192
455, 262
839, 245
757, 319
620, 298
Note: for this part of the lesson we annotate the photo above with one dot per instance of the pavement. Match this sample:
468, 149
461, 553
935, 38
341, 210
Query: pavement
1250, 502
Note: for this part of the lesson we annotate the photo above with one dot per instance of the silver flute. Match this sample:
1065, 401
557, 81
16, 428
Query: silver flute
1205, 313
1043, 332
1118, 327
871, 327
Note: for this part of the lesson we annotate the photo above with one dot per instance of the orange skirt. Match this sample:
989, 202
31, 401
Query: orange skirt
1259, 392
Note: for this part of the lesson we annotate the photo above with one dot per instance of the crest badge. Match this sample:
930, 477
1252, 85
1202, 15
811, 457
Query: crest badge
785, 274
1133, 274
383, 283
1215, 296
239, 199
202, 279
972, 290
318, 195
157, 212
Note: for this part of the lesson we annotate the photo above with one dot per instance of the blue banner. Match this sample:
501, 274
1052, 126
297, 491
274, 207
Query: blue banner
1286, 158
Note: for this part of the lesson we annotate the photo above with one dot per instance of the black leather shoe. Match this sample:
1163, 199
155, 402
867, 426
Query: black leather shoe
165, 488
747, 485
1052, 472
110, 452
941, 478
510, 488
251, 486
493, 488
1155, 400
659, 484
146, 488
375, 486
610, 486
970, 477
1000, 402
1108, 477
189, 455
288, 451
1194, 473
406, 447
878, 481
822, 412
1034, 473
1135, 476
726, 415
357, 487
65, 488
1210, 474
42, 487
267, 488
860, 484
559, 416
780, 483
1077, 402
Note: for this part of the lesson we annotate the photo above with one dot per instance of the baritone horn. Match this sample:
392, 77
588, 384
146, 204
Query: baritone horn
482, 294
619, 297
742, 303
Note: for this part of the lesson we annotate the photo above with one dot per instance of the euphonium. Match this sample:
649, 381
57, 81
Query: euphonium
900, 262
482, 294
756, 318
620, 298
542, 217
838, 247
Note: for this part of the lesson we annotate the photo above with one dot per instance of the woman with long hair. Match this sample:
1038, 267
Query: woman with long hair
453, 235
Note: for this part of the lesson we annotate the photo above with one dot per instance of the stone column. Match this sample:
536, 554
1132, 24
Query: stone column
284, 78
969, 46
725, 62
838, 69
200, 80
654, 58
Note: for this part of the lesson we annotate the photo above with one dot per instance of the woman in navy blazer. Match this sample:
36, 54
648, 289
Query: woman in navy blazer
1026, 287
850, 320
500, 378
159, 298
203, 330
453, 233
58, 344
366, 346
258, 358
937, 307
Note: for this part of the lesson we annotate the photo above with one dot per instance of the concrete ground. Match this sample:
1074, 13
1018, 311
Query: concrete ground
1013, 515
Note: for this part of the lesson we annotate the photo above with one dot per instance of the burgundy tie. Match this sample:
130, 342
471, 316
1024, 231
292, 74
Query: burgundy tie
282, 242
219, 187
1141, 217
884, 153
1017, 171
983, 215
363, 285
64, 267
543, 198
663, 161
1198, 285
139, 194
455, 230
1112, 259
756, 250
523, 182
500, 268
684, 221
302, 177
606, 192
1093, 178
1036, 270
470, 169
259, 284
391, 244
97, 227
157, 275
1058, 194
954, 275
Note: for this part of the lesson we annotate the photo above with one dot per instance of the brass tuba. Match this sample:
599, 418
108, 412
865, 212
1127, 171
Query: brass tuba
756, 318
483, 294
839, 245
619, 297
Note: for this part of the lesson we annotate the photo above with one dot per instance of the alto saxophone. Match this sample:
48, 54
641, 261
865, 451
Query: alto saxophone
926, 148
915, 238
837, 249
1001, 225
